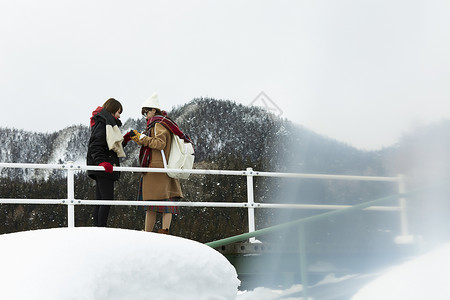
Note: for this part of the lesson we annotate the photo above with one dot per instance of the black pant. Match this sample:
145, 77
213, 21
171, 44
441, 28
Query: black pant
104, 190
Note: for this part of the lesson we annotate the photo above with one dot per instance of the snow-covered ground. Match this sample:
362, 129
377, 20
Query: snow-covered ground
424, 277
104, 263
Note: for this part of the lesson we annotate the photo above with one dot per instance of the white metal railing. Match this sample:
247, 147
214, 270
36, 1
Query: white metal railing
71, 168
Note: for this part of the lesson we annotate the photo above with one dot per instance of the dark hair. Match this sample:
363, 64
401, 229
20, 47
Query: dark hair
144, 109
113, 106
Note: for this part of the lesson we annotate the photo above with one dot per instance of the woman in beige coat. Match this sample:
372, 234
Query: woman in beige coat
156, 186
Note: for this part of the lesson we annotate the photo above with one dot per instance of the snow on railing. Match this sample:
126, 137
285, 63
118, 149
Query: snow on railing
70, 201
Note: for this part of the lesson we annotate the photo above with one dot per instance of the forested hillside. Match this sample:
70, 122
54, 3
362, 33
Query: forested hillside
226, 136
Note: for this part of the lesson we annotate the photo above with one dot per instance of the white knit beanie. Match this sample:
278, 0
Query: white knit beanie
152, 102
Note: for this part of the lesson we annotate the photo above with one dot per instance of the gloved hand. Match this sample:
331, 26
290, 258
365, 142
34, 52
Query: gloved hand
108, 167
126, 138
136, 136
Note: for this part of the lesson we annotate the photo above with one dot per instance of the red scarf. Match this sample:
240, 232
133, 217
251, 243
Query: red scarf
94, 113
145, 152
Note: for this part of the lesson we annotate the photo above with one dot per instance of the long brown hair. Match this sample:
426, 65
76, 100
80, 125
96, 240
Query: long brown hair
113, 106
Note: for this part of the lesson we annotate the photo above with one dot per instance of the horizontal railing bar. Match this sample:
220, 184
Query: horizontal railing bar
327, 176
323, 206
33, 166
160, 203
189, 204
164, 170
247, 173
205, 172
32, 201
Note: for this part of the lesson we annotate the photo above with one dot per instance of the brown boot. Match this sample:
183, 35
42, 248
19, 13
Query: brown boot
163, 231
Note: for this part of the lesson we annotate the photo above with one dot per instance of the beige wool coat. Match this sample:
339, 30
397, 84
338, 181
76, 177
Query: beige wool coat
159, 186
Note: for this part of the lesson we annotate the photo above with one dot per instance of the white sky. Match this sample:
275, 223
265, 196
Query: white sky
359, 71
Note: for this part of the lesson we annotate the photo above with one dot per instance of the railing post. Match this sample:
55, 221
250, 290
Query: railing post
405, 237
251, 203
70, 195
402, 204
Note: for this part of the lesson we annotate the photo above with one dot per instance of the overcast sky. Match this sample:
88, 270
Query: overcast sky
359, 71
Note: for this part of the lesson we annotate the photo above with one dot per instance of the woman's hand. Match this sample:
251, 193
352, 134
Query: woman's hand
136, 136
108, 167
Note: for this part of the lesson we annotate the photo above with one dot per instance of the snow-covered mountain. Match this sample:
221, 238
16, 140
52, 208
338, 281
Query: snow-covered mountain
221, 130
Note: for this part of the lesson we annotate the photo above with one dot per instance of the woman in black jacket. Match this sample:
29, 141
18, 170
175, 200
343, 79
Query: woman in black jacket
104, 149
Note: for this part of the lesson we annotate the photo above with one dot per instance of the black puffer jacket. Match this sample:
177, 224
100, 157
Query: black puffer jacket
98, 150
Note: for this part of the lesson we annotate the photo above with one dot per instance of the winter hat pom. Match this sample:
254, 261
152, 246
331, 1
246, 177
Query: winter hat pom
152, 102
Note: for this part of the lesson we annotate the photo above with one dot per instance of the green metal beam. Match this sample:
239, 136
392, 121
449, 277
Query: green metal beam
245, 236
241, 237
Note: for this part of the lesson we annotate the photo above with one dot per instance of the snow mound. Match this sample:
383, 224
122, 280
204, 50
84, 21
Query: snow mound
425, 277
106, 263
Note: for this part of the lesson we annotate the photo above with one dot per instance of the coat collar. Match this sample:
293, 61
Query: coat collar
102, 115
